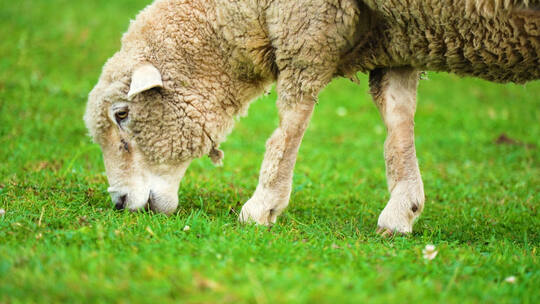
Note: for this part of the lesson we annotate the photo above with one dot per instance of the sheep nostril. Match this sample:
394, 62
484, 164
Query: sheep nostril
121, 203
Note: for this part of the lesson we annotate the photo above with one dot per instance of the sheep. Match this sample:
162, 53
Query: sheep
186, 69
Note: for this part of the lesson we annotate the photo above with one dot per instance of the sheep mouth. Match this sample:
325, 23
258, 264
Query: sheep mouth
150, 203
158, 203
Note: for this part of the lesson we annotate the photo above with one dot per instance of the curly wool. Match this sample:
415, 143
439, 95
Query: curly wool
201, 94
494, 40
216, 56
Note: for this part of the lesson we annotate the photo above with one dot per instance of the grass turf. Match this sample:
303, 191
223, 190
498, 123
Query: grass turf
60, 239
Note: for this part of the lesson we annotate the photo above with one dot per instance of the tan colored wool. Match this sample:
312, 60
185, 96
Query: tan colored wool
196, 65
498, 40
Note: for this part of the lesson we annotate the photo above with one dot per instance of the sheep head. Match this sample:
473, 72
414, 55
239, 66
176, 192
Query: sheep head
147, 134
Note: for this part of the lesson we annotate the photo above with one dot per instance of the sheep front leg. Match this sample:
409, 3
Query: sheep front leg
272, 194
394, 93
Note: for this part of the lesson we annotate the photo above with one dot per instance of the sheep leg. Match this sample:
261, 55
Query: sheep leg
273, 191
307, 53
394, 93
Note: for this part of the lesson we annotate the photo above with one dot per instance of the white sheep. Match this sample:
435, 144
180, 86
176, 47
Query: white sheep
186, 69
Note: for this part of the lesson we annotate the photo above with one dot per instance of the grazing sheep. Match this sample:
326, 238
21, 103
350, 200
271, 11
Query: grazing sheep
186, 69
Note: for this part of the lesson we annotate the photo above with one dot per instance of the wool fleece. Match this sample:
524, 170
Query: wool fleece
187, 69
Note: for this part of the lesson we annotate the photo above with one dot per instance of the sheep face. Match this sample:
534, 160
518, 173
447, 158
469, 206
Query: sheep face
129, 123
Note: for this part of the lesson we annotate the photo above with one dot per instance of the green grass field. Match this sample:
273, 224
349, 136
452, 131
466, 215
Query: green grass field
60, 239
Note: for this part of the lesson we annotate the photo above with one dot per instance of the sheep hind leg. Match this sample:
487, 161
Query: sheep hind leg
394, 93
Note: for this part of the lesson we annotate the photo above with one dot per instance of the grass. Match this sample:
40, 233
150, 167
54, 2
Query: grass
60, 239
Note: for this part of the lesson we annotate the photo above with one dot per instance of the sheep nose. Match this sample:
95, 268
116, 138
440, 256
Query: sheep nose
120, 203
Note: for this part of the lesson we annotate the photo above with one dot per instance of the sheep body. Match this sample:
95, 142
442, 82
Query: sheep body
210, 58
194, 40
494, 40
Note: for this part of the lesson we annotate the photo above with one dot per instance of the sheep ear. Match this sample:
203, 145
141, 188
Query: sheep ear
144, 77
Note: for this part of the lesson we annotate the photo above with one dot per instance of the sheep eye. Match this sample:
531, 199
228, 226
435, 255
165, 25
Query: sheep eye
120, 115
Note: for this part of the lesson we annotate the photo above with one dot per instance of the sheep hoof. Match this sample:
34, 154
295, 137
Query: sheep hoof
405, 205
392, 221
253, 212
387, 233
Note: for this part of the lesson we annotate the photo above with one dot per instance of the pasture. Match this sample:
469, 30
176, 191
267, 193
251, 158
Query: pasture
60, 239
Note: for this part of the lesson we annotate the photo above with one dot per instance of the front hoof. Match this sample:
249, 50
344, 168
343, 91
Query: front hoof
251, 213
